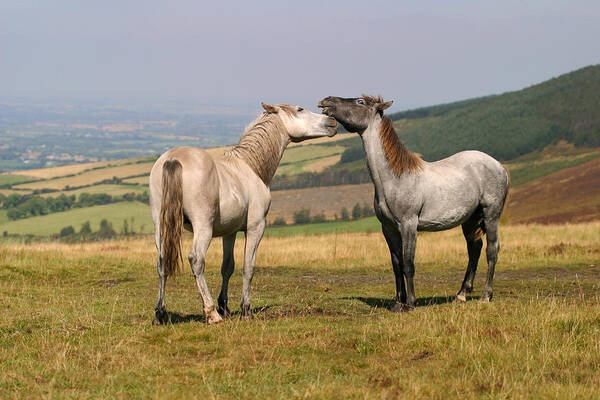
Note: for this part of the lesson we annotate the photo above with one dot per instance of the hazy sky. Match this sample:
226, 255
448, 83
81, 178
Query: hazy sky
238, 53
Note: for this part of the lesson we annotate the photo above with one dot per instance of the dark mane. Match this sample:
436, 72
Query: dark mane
399, 158
370, 99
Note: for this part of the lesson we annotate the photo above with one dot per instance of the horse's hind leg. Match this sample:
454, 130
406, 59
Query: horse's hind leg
197, 257
253, 237
160, 311
493, 247
226, 270
472, 233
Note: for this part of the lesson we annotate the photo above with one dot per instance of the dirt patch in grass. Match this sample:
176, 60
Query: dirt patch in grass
113, 282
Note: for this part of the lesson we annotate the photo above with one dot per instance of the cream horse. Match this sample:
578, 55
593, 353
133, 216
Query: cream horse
222, 197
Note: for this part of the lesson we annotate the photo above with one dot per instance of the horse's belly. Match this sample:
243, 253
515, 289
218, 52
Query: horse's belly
230, 221
439, 220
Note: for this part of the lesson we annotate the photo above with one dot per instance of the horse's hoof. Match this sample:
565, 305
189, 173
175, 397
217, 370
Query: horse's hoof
160, 318
460, 298
401, 307
247, 317
214, 318
485, 299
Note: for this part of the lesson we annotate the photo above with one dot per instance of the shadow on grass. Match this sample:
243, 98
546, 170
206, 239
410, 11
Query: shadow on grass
177, 318
377, 302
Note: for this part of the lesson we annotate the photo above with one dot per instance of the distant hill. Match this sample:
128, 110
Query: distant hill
509, 125
569, 195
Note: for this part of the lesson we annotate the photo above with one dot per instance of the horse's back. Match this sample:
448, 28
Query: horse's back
490, 176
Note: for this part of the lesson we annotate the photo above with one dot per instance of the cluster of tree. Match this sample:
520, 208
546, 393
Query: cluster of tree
303, 216
25, 206
85, 234
331, 176
105, 231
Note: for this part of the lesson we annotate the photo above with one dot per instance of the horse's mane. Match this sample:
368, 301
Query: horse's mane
370, 99
399, 158
260, 145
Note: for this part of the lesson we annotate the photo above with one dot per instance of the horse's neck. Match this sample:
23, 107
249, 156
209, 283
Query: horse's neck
379, 167
263, 155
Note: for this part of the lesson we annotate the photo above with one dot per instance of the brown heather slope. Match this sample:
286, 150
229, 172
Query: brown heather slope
570, 195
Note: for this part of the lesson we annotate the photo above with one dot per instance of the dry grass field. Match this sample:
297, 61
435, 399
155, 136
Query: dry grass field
328, 200
48, 173
76, 322
90, 177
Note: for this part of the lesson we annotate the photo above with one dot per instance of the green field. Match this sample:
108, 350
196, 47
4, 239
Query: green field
13, 179
361, 225
76, 322
3, 217
296, 158
113, 190
52, 223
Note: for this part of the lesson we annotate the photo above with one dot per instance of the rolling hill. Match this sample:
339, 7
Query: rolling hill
569, 195
548, 136
512, 124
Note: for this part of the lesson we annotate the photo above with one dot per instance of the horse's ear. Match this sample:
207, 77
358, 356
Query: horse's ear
384, 106
269, 108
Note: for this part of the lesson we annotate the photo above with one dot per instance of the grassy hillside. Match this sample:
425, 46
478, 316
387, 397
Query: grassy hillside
511, 124
52, 223
76, 322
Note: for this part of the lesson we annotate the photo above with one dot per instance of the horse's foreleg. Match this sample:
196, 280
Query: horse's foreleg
408, 232
253, 237
394, 242
492, 250
226, 270
197, 259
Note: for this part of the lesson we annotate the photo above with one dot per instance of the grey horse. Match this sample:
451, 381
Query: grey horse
468, 188
220, 197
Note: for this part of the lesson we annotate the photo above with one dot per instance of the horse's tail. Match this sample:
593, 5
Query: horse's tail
171, 217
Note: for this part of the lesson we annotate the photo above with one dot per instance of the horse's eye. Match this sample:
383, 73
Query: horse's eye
360, 101
300, 109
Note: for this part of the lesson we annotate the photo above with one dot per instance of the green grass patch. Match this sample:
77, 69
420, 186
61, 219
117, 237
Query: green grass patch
115, 213
3, 216
13, 179
111, 189
76, 323
361, 225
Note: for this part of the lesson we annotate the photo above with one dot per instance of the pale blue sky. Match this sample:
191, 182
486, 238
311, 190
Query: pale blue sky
240, 53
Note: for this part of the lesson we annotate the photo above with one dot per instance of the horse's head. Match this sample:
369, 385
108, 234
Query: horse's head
355, 114
302, 124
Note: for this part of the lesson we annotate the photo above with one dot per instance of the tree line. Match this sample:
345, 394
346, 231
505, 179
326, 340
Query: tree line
25, 206
104, 232
303, 216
